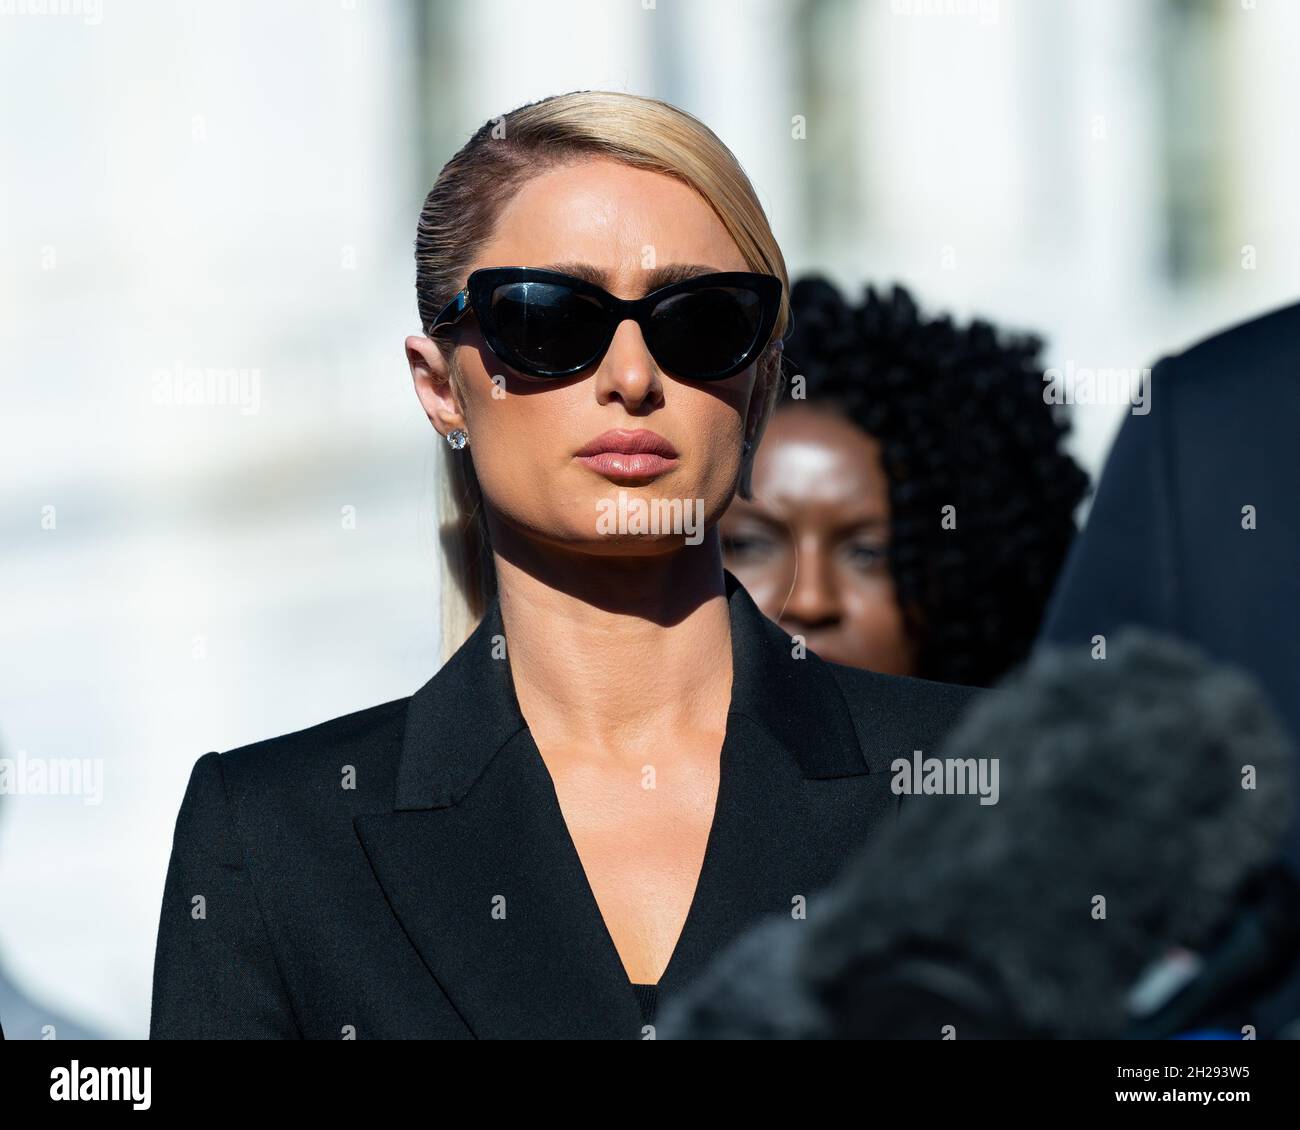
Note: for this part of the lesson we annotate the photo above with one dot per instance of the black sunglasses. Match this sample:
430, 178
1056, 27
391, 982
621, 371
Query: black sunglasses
548, 325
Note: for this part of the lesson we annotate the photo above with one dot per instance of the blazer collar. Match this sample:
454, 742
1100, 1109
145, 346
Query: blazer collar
461, 718
476, 862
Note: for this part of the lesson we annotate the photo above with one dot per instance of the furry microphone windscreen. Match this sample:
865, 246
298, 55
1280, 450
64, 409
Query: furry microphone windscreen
1135, 794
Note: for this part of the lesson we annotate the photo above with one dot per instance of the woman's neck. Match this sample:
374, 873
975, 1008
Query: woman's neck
609, 655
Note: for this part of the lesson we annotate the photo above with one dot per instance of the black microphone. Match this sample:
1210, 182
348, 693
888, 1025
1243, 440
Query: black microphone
1136, 796
1254, 952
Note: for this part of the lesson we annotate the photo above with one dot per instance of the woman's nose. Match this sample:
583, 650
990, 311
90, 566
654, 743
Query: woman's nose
814, 597
627, 370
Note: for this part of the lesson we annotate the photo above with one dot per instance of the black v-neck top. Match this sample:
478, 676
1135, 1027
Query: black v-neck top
647, 996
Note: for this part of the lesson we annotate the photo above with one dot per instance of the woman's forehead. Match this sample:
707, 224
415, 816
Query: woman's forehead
618, 219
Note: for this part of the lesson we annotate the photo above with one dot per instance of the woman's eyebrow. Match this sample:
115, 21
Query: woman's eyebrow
676, 272
659, 276
867, 525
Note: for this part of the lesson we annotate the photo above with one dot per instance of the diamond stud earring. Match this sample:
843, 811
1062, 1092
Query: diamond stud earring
746, 448
457, 439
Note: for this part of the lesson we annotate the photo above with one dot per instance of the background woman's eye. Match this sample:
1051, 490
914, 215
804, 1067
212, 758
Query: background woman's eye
867, 556
749, 547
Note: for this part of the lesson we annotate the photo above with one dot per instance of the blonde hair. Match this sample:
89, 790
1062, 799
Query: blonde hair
459, 216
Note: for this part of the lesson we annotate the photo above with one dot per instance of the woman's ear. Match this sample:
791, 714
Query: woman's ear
431, 372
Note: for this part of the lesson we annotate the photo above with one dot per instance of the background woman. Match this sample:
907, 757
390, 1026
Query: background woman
913, 501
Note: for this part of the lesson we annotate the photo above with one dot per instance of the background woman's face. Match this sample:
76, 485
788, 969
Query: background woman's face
626, 223
821, 501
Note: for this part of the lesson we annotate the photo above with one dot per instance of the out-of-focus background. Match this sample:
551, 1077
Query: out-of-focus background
231, 189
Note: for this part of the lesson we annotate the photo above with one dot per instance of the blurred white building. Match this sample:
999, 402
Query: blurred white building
233, 187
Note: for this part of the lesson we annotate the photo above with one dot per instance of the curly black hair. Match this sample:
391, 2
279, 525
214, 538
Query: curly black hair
962, 421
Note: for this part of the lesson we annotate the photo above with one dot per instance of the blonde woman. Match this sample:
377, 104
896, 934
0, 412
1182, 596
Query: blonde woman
623, 763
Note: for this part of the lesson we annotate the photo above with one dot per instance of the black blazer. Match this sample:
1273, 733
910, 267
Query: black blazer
375, 910
1164, 545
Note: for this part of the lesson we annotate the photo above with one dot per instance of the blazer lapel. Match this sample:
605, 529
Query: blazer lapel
797, 793
478, 866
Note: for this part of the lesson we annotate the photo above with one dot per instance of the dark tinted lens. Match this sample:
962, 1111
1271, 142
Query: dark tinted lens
548, 326
705, 331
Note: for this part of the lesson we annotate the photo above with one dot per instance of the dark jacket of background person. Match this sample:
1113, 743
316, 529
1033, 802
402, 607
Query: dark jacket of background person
329, 911
1165, 546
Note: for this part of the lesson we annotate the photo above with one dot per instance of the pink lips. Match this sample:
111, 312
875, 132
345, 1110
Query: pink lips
624, 454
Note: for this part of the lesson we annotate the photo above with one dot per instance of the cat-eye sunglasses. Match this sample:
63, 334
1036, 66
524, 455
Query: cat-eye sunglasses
547, 325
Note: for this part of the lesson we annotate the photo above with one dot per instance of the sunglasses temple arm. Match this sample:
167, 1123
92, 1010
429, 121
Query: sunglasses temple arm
452, 313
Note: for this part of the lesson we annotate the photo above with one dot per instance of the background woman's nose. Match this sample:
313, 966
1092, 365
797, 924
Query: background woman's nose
814, 596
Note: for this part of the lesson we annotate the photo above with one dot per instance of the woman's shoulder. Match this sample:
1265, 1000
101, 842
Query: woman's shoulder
901, 707
348, 757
